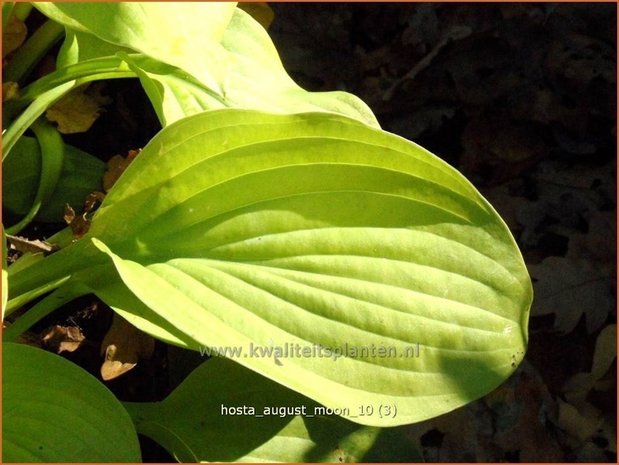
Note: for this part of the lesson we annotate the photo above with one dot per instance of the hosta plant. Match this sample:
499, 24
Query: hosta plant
353, 279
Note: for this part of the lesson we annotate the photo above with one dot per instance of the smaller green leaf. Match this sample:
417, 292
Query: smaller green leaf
81, 174
202, 420
53, 411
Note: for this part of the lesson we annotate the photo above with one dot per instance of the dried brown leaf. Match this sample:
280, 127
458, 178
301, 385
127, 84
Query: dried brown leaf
113, 368
599, 243
117, 166
520, 408
577, 388
63, 338
80, 224
123, 346
580, 424
21, 244
78, 110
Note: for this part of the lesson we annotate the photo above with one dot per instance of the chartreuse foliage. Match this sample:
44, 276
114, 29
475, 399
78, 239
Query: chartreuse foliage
345, 266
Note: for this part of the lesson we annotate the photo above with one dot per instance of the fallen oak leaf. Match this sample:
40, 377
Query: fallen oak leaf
592, 427
580, 423
520, 410
501, 148
123, 346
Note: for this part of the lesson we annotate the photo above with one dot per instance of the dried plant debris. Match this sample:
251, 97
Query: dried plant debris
123, 346
80, 224
78, 110
24, 245
544, 71
117, 166
63, 338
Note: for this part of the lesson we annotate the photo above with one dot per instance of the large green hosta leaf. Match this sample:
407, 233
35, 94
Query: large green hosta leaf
316, 234
247, 229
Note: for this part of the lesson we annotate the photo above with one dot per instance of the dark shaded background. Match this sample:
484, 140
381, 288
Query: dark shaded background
522, 99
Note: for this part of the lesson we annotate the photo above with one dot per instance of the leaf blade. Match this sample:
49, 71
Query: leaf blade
368, 240
55, 412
